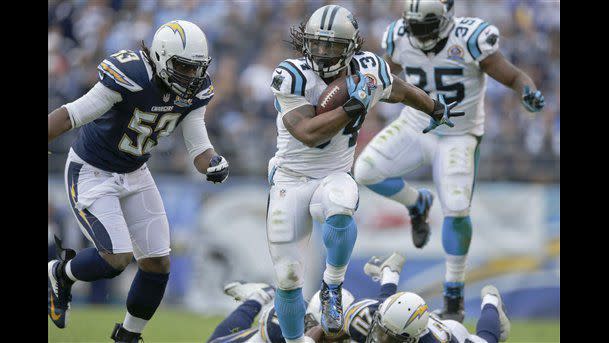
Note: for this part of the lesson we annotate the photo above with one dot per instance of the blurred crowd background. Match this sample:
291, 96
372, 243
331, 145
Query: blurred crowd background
247, 41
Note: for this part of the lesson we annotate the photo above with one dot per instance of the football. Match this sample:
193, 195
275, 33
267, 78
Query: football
335, 95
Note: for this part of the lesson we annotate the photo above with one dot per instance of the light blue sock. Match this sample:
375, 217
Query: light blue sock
290, 309
388, 187
339, 235
456, 238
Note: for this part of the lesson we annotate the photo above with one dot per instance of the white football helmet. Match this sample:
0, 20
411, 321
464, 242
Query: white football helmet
314, 307
330, 39
180, 57
401, 318
428, 21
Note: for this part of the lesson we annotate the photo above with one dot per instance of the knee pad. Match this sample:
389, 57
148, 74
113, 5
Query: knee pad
457, 177
289, 275
339, 195
365, 171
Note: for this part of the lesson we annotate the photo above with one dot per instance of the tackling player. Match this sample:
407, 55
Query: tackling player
441, 54
395, 317
309, 174
140, 97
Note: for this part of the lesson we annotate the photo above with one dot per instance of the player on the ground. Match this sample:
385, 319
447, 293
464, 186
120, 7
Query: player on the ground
441, 55
237, 326
140, 97
394, 317
309, 174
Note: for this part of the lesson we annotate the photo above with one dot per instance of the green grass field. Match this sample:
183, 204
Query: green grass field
94, 324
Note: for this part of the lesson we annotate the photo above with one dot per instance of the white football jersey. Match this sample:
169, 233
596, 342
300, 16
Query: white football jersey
295, 84
452, 69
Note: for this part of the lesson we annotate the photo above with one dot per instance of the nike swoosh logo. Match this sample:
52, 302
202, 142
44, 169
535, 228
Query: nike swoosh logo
54, 315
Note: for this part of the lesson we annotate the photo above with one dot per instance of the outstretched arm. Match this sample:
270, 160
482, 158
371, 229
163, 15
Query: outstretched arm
500, 69
85, 109
410, 95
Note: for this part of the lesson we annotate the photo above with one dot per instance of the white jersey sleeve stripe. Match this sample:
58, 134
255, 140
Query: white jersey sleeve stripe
390, 43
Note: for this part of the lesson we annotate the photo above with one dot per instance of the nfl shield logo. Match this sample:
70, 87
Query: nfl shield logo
166, 97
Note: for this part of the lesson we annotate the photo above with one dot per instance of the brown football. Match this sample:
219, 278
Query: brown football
335, 95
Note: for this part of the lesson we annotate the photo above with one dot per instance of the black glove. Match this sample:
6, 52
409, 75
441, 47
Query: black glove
218, 169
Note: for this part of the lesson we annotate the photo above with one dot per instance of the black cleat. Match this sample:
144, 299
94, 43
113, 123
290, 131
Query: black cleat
453, 309
121, 335
418, 218
331, 308
60, 287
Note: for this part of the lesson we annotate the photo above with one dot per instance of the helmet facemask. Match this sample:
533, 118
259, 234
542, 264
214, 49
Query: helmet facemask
427, 31
380, 334
327, 56
185, 77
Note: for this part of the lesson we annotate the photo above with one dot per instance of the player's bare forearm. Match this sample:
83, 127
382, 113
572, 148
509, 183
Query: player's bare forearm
314, 130
500, 69
202, 160
59, 122
407, 94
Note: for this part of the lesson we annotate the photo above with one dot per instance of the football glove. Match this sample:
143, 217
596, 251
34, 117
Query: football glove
532, 101
218, 169
441, 114
360, 96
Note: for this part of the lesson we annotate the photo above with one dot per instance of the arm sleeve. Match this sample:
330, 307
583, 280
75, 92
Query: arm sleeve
484, 41
195, 133
92, 105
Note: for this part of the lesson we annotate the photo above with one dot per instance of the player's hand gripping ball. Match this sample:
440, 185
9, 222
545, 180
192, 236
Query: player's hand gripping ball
352, 92
218, 169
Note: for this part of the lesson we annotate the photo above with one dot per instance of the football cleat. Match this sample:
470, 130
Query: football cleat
504, 322
453, 309
418, 218
331, 308
241, 291
60, 288
374, 266
121, 335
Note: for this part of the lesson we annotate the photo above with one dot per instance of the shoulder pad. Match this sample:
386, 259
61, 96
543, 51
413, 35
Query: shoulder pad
289, 77
206, 93
354, 309
479, 37
371, 63
124, 70
394, 31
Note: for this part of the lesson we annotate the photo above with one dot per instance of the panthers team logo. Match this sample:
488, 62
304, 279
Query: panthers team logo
177, 28
455, 52
353, 21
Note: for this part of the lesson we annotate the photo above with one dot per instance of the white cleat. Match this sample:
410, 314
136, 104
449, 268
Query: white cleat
241, 291
374, 266
504, 322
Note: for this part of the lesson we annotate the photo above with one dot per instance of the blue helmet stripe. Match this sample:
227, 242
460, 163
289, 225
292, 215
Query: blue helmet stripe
389, 41
472, 42
298, 80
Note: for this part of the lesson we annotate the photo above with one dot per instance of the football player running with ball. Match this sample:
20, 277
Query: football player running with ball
441, 54
309, 174
140, 97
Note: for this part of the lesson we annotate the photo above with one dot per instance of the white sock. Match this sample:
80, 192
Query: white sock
300, 339
389, 276
68, 271
407, 196
134, 324
455, 268
490, 299
334, 275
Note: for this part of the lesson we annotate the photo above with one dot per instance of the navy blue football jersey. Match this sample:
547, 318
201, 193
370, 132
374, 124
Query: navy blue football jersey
358, 320
120, 141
